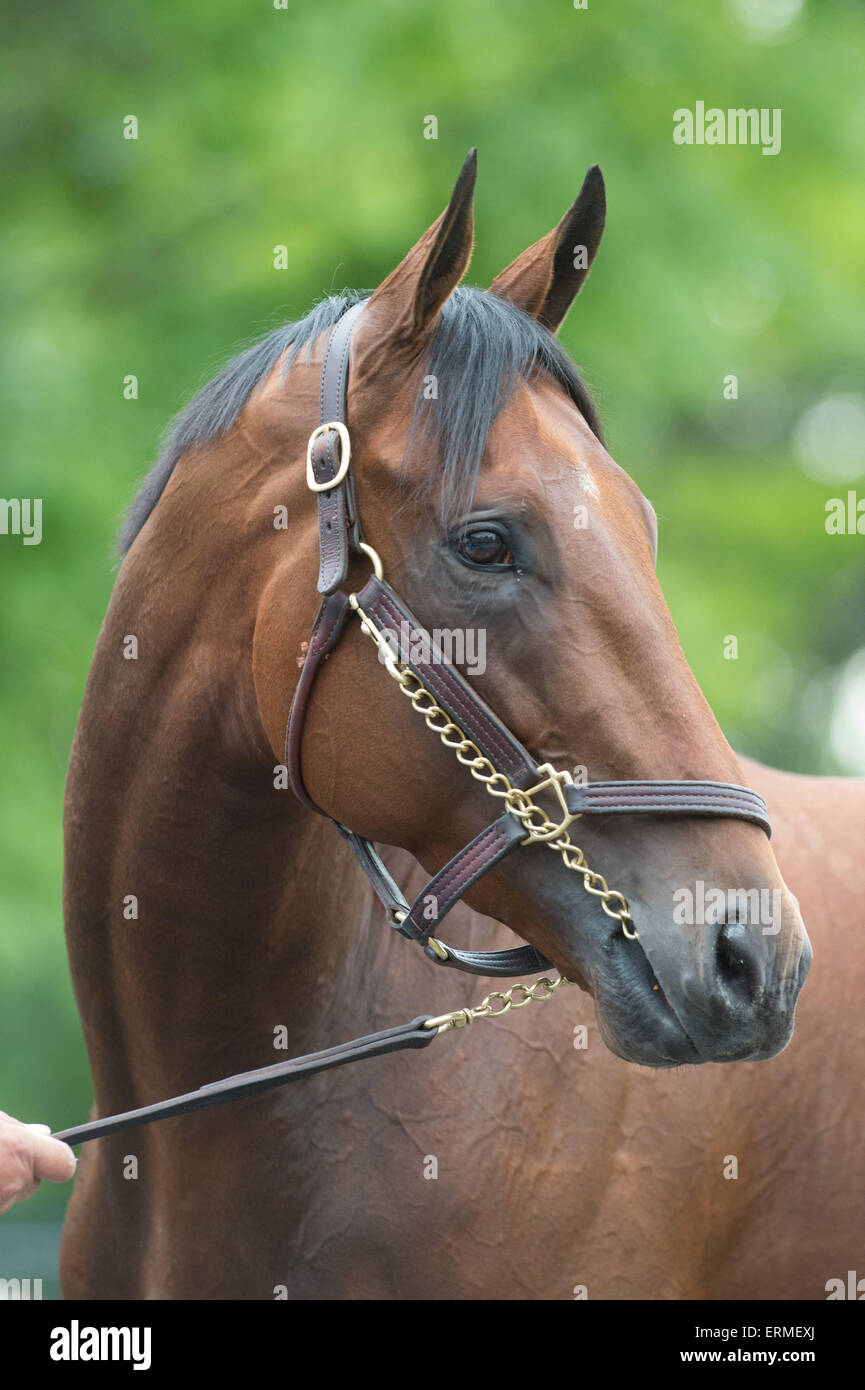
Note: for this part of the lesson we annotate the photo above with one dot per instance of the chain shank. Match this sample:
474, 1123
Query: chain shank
460, 1018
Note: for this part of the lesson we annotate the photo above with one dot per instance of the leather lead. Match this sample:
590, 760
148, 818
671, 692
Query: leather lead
251, 1083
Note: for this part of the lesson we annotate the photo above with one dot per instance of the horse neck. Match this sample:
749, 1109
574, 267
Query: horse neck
205, 908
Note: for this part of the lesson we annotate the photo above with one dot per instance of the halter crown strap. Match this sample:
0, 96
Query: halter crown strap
329, 459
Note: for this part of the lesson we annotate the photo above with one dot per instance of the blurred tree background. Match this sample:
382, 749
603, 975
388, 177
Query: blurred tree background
304, 126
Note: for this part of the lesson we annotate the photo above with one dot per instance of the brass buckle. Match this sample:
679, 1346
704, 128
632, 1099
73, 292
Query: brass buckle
556, 778
345, 456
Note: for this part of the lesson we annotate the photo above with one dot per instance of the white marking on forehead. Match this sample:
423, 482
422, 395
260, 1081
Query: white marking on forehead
586, 481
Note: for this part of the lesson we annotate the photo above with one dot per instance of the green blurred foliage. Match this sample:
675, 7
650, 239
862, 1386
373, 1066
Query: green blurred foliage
304, 126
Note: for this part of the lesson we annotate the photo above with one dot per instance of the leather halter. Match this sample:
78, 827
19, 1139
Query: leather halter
341, 537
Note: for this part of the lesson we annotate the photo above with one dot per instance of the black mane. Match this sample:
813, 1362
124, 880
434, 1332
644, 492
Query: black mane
482, 347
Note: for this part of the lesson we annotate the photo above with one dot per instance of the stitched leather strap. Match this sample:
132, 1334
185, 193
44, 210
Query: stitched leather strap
520, 960
326, 632
669, 799
250, 1083
446, 888
338, 526
452, 691
388, 892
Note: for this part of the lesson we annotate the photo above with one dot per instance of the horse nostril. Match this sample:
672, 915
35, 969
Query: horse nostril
739, 960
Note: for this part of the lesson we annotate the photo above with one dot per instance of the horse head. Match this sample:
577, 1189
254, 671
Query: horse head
487, 495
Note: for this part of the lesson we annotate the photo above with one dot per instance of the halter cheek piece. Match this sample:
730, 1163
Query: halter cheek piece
464, 723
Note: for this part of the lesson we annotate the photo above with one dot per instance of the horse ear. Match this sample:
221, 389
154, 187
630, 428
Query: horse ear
413, 294
545, 279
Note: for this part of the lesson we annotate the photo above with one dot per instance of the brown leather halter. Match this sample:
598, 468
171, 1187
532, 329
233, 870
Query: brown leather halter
495, 756
465, 723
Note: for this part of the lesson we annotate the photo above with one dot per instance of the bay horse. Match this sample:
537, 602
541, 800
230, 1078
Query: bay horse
212, 918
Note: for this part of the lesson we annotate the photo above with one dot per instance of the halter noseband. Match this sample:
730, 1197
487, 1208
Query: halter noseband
464, 722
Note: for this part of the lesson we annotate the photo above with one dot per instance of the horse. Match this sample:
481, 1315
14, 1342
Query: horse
645, 1138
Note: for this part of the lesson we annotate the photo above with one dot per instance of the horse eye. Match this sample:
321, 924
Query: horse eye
483, 545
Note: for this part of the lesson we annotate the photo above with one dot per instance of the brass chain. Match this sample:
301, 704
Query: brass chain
540, 990
496, 783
